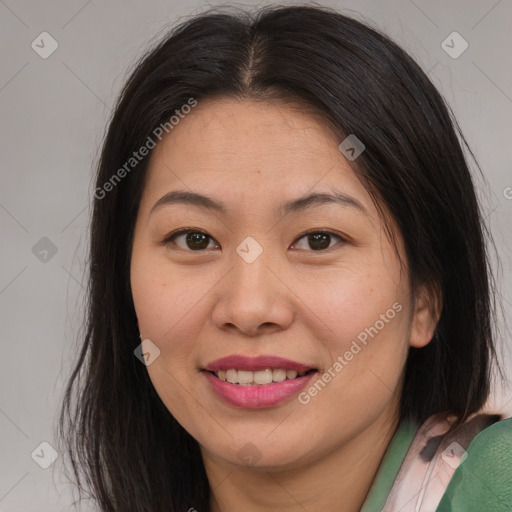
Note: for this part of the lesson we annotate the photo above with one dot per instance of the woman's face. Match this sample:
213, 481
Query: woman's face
248, 283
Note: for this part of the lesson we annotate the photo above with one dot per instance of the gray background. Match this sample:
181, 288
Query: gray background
53, 114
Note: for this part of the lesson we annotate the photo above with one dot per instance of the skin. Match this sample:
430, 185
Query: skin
293, 301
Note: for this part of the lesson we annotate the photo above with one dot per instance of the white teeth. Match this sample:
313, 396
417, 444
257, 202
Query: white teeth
232, 376
245, 377
278, 375
262, 377
259, 377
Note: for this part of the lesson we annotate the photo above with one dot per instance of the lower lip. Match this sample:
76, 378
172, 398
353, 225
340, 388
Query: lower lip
257, 396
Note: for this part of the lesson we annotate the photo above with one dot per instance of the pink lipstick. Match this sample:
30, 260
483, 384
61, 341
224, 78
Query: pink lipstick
257, 382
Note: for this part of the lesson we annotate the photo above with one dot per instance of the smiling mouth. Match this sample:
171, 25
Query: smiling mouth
259, 377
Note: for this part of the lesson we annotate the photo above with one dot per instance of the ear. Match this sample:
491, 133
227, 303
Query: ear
427, 311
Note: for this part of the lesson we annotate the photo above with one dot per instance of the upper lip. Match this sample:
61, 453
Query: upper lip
261, 362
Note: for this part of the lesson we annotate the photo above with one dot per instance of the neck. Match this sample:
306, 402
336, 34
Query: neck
341, 477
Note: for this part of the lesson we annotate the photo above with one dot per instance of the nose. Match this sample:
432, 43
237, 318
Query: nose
253, 298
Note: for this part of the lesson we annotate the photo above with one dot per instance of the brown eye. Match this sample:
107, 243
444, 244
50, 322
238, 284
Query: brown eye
318, 240
193, 240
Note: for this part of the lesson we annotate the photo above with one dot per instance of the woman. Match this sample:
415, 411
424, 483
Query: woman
290, 305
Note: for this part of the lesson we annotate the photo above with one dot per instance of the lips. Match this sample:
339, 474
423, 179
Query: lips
257, 382
253, 364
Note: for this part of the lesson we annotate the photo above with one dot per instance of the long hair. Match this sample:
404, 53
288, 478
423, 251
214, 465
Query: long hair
122, 441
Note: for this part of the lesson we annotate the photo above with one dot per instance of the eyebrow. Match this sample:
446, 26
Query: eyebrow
295, 205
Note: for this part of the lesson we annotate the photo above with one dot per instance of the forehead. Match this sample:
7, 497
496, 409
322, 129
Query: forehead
232, 149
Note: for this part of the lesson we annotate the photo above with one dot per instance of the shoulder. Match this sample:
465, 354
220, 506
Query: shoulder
497, 435
483, 480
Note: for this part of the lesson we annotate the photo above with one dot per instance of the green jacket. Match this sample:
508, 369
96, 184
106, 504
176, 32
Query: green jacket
481, 483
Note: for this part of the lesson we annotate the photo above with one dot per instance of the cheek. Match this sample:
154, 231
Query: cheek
173, 308
160, 298
166, 308
364, 315
366, 349
351, 299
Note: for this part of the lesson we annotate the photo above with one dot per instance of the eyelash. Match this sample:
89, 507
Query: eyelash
171, 236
